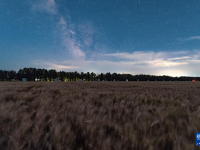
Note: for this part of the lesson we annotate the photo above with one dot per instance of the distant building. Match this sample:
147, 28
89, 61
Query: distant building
114, 80
126, 80
24, 79
80, 80
98, 80
55, 80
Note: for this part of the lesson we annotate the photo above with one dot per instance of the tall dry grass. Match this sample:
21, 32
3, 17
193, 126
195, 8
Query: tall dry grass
93, 115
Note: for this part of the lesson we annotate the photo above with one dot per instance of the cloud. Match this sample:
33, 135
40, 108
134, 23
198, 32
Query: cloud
168, 64
138, 55
147, 56
110, 66
192, 38
51, 65
180, 58
48, 6
162, 63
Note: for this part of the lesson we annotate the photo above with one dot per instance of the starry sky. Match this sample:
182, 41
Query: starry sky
124, 36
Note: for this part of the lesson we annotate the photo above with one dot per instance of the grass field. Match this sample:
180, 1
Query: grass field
99, 115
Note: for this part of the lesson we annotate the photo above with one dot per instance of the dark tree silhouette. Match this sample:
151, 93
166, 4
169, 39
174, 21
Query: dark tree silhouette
32, 73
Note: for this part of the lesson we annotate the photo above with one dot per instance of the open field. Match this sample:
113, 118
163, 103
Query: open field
99, 115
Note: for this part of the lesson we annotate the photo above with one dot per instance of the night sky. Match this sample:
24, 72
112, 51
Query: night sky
125, 36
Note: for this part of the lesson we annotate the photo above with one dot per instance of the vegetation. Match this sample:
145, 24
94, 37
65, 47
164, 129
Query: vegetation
48, 75
104, 115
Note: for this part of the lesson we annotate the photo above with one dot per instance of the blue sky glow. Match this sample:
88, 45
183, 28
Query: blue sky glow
124, 36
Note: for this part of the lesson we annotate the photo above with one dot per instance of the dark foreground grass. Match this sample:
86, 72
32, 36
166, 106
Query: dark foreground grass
99, 116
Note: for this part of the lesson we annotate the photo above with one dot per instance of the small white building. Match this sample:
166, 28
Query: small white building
24, 79
126, 80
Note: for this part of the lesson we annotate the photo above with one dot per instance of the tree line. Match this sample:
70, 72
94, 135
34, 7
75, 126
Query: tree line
31, 74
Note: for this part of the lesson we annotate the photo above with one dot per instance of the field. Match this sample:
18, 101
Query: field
99, 115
